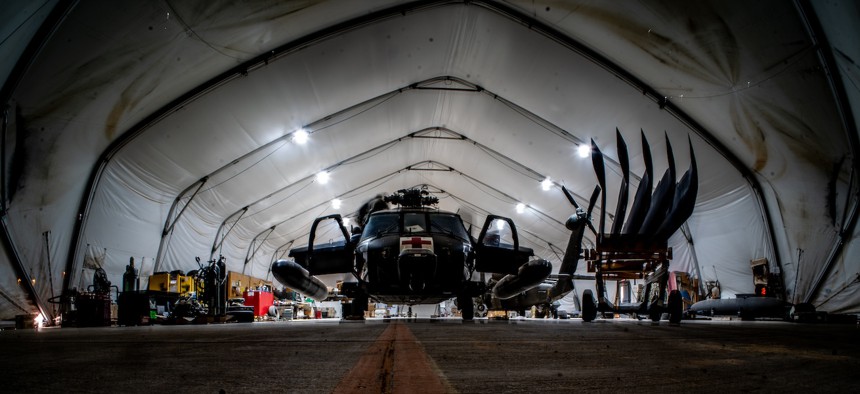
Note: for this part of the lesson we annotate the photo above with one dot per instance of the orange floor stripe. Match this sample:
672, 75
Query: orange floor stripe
394, 363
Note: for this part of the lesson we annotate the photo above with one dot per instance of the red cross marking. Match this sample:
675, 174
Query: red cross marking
416, 242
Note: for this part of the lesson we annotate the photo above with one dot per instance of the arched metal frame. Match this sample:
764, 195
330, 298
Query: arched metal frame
219, 238
254, 246
843, 106
173, 217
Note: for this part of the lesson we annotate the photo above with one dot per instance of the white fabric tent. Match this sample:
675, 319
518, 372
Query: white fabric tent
162, 130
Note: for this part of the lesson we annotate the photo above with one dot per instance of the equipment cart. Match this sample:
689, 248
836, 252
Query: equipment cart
621, 256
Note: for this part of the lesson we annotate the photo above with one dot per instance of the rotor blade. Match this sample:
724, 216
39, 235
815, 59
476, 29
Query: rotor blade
621, 206
593, 200
684, 202
661, 200
642, 199
569, 197
591, 203
600, 172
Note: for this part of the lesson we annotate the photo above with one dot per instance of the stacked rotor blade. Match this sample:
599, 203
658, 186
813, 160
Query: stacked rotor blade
642, 200
621, 207
684, 201
600, 172
661, 199
654, 217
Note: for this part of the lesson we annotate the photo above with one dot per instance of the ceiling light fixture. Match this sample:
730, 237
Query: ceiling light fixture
546, 184
335, 203
300, 136
323, 177
521, 208
583, 150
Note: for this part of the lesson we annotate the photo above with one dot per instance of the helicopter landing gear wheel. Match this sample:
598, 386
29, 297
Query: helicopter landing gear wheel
655, 313
467, 307
675, 307
589, 307
357, 308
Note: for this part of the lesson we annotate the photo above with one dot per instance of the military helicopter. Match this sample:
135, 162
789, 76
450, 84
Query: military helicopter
413, 254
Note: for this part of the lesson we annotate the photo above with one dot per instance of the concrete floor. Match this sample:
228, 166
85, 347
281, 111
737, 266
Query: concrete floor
435, 356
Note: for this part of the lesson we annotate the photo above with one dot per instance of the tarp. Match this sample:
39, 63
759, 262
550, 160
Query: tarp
162, 130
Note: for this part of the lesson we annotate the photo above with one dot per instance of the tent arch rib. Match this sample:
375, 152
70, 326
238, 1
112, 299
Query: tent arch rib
219, 237
843, 106
173, 217
254, 247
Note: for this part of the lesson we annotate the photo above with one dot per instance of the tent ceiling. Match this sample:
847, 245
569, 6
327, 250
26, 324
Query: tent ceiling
180, 115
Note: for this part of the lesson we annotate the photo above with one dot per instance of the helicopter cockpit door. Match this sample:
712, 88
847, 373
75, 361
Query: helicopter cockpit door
495, 255
329, 258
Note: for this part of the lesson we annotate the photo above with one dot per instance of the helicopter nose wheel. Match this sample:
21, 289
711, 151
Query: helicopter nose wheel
589, 307
467, 307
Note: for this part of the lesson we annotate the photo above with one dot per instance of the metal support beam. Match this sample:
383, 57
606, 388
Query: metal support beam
219, 238
173, 217
24, 277
843, 106
254, 247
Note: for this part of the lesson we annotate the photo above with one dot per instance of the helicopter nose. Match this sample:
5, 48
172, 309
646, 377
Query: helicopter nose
417, 267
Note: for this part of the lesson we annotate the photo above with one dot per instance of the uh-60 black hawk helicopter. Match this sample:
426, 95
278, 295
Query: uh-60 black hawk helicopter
416, 254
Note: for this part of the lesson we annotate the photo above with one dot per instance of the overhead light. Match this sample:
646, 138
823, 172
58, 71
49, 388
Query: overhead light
346, 222
300, 136
500, 224
323, 177
335, 203
521, 208
546, 184
583, 150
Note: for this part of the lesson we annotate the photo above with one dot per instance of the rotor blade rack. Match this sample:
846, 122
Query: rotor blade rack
624, 257
627, 257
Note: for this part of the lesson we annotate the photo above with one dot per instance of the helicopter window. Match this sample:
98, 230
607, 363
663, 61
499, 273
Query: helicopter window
499, 234
328, 232
380, 224
414, 223
448, 224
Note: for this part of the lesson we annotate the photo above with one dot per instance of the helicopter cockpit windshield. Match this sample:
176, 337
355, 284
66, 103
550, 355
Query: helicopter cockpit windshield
415, 222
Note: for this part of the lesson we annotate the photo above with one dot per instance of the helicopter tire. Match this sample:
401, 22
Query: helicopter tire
467, 307
358, 307
589, 308
655, 313
675, 307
